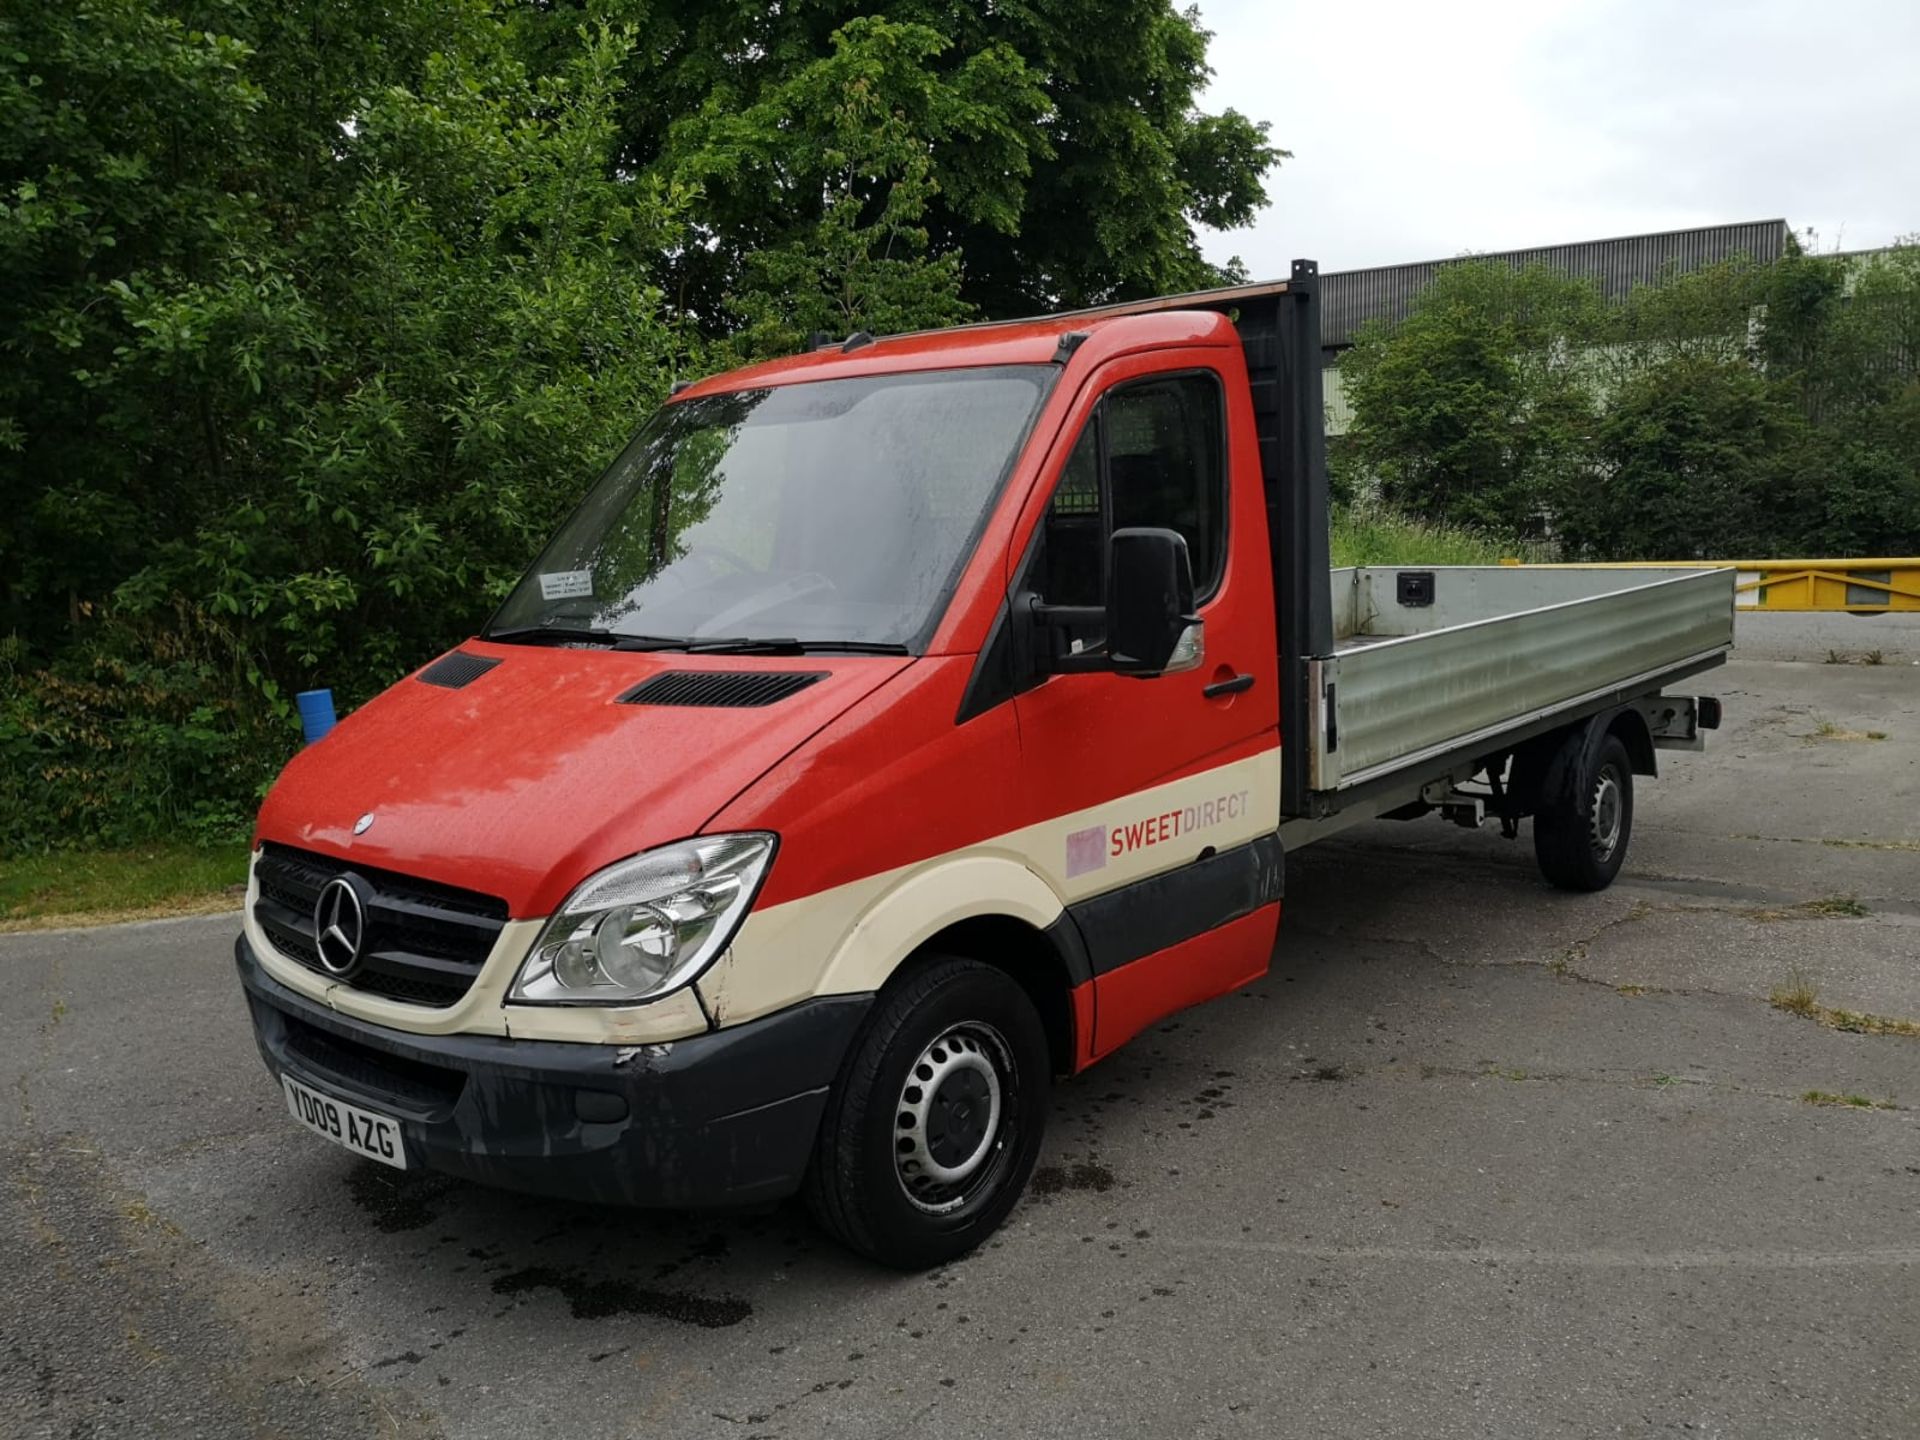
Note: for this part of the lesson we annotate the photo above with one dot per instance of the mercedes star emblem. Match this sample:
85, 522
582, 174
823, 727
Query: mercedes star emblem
339, 926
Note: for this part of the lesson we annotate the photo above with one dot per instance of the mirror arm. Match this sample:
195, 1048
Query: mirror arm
1048, 620
1057, 616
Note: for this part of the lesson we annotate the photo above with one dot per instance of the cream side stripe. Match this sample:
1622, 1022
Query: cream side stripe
850, 938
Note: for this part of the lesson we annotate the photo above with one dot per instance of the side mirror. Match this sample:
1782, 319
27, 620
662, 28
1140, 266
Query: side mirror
1151, 627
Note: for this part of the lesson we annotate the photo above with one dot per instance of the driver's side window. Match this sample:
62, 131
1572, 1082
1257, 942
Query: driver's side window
1152, 453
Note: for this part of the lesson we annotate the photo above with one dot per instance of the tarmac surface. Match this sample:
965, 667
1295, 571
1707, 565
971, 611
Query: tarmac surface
1477, 1159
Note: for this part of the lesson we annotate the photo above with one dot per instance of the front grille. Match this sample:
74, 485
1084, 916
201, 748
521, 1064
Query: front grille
424, 942
370, 1072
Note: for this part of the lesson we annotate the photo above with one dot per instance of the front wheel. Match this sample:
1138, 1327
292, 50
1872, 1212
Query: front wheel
1581, 830
934, 1124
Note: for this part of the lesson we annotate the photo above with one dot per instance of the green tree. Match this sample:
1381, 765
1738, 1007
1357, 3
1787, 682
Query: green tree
842, 153
1064, 158
1478, 408
1679, 464
274, 421
315, 314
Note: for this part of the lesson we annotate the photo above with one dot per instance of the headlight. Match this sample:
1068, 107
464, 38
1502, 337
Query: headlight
646, 926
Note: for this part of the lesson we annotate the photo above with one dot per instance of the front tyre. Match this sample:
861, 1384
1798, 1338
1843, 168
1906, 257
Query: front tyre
1581, 830
935, 1122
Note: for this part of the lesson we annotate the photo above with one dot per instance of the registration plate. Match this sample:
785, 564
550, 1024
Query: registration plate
361, 1131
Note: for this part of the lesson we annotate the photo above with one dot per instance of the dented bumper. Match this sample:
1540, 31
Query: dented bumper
721, 1118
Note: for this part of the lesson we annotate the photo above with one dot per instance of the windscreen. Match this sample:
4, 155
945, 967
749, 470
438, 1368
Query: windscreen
832, 511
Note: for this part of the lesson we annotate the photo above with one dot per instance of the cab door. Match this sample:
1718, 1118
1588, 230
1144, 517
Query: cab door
1163, 794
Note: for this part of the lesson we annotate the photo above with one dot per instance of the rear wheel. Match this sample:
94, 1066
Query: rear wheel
934, 1124
1581, 830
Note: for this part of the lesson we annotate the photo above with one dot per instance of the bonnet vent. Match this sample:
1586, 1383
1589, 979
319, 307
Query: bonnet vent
726, 689
450, 672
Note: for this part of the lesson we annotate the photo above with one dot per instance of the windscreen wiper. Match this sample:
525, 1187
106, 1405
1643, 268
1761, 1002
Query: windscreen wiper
652, 642
786, 645
857, 647
721, 645
558, 634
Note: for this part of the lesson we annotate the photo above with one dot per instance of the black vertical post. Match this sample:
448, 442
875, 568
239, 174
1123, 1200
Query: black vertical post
1297, 520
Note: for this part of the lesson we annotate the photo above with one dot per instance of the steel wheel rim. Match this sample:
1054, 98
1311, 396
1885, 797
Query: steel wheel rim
951, 1119
1609, 813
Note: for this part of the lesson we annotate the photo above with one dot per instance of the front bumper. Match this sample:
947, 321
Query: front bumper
721, 1118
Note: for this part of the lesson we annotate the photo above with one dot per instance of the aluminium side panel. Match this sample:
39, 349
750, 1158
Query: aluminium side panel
1395, 700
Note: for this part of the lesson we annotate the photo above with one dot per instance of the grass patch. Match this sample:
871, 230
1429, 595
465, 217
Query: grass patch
96, 886
1902, 845
1859, 1022
1797, 996
1855, 1102
1374, 534
1829, 730
1827, 907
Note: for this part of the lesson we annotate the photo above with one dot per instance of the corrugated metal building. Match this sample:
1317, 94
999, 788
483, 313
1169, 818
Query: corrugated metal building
1351, 298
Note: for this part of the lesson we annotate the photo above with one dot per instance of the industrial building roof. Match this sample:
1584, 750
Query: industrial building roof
1351, 298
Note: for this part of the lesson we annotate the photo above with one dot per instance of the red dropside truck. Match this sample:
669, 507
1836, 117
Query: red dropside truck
892, 729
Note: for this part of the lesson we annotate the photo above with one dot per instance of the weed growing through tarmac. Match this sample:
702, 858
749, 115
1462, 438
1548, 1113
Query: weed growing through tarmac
1826, 907
1859, 1022
1830, 730
1833, 842
1797, 996
1855, 1102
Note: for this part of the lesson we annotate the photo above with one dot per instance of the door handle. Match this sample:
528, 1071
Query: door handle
1228, 687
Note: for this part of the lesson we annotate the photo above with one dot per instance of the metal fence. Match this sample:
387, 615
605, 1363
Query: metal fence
1862, 587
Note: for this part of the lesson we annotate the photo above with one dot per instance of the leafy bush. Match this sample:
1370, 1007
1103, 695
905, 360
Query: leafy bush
108, 749
1740, 410
1676, 459
1475, 410
316, 315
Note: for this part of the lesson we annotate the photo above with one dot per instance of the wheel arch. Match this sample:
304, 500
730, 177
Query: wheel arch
984, 907
1048, 964
1541, 764
1631, 726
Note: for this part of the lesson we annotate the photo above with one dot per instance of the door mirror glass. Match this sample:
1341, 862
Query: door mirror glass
1150, 617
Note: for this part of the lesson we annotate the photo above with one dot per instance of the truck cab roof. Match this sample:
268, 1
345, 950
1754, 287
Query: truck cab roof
1200, 318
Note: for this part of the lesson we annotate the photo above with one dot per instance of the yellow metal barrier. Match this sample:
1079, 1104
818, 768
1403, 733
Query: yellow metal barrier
1863, 587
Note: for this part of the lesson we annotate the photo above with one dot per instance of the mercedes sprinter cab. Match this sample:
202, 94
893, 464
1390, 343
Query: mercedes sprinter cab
892, 729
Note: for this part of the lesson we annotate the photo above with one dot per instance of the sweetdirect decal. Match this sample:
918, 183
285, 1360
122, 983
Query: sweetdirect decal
1091, 848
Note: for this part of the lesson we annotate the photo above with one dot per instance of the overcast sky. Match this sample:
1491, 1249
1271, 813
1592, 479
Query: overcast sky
1422, 130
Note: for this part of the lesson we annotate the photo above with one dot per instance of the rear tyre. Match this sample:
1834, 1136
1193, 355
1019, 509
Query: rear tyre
934, 1124
1581, 830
